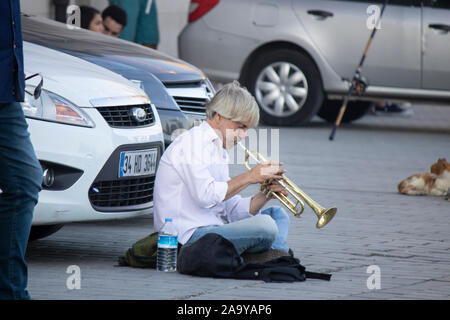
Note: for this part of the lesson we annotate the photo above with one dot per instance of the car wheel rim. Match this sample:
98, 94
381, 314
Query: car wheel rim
281, 89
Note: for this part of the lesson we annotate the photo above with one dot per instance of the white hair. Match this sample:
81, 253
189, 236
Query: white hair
235, 103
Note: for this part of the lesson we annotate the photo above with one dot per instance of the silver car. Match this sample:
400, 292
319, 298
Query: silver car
297, 56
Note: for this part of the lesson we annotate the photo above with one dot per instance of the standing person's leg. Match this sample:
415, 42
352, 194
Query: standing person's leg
255, 234
282, 221
20, 183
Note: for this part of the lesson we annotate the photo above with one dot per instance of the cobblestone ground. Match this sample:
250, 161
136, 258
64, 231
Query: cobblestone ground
405, 240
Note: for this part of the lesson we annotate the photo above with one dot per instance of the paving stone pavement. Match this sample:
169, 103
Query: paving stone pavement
406, 237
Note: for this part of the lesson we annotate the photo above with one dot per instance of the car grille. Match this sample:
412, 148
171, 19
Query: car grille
191, 105
122, 193
191, 97
121, 117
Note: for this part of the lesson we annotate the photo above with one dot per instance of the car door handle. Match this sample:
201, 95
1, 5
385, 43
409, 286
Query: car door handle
320, 13
440, 27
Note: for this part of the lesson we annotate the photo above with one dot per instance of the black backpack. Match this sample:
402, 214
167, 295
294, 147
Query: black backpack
214, 256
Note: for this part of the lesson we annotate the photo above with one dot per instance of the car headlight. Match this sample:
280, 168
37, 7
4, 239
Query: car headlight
52, 107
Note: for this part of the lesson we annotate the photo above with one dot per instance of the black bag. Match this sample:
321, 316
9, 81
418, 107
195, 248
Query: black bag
214, 256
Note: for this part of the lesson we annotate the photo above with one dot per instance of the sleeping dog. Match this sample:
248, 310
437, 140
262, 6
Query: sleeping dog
434, 183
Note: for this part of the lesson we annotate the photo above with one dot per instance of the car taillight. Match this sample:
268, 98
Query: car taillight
198, 8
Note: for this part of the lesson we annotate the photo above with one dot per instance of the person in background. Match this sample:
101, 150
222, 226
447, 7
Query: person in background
20, 171
389, 108
142, 22
114, 20
91, 19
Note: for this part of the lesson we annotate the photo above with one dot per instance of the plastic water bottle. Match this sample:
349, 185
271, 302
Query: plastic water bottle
166, 257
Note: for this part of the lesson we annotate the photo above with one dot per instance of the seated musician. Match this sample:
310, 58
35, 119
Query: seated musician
193, 186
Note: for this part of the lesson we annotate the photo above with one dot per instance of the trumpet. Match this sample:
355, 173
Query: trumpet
295, 205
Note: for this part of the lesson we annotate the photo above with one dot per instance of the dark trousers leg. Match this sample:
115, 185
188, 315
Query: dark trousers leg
20, 183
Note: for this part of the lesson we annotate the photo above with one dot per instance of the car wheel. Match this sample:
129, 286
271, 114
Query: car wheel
355, 110
286, 85
39, 232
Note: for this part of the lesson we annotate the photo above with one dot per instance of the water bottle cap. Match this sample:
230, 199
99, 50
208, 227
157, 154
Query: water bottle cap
168, 220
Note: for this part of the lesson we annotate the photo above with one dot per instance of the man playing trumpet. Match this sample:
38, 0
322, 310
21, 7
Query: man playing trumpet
193, 186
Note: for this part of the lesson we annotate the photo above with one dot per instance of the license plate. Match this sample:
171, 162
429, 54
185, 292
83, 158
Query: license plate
137, 163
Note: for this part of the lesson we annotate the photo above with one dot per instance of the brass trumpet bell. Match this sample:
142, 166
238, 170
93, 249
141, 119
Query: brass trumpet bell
325, 216
295, 205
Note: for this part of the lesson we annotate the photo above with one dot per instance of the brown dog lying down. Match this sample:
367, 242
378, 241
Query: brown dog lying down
434, 183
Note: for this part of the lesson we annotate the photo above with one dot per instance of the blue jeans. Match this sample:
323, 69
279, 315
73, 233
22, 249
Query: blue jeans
255, 234
20, 183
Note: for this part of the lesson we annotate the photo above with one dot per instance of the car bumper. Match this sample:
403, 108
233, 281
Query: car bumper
92, 151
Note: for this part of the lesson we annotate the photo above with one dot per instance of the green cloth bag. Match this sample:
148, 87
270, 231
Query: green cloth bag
142, 253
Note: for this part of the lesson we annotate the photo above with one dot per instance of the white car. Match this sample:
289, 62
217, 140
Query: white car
97, 137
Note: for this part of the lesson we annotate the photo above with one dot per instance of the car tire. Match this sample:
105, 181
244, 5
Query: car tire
39, 232
355, 110
286, 85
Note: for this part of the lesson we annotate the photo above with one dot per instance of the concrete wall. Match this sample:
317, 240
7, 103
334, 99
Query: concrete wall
38, 7
172, 17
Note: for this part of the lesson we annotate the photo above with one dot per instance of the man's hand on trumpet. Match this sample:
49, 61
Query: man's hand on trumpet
267, 174
261, 198
265, 171
272, 186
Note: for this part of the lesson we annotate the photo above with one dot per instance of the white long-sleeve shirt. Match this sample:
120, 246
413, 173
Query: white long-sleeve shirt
191, 184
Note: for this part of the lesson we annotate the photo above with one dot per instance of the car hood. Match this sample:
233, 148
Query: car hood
78, 81
60, 36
